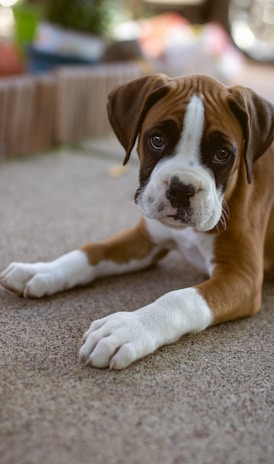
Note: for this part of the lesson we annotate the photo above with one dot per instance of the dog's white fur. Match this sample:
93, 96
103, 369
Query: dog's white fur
183, 208
121, 338
186, 165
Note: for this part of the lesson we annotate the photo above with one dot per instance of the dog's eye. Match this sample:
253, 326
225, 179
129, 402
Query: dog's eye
221, 156
158, 142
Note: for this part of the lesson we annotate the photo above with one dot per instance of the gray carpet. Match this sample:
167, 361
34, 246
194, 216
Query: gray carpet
206, 399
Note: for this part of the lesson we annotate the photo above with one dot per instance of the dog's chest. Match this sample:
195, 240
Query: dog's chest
197, 247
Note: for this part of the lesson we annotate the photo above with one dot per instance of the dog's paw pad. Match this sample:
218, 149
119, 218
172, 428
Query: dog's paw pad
29, 280
15, 277
124, 357
116, 341
38, 286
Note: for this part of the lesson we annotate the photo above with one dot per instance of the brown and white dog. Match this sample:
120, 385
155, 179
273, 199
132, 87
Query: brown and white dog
205, 188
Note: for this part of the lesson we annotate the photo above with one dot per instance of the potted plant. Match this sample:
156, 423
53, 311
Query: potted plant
89, 16
72, 32
27, 14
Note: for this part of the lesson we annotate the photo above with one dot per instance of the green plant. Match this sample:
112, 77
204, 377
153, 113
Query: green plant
92, 16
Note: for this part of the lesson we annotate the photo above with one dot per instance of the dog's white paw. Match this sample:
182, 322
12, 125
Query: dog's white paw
116, 341
40, 279
30, 280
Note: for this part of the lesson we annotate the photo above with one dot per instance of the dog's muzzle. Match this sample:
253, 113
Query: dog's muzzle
181, 201
179, 196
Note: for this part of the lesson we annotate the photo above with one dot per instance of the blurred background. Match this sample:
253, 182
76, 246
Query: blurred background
38, 35
69, 47
175, 34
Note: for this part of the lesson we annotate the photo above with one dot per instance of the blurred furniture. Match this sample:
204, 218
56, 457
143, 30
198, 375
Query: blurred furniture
10, 61
197, 11
250, 23
58, 107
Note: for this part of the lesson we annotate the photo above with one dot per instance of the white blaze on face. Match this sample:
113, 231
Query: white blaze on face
185, 165
189, 144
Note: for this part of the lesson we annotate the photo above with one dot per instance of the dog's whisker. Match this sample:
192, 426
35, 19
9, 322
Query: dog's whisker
226, 210
224, 216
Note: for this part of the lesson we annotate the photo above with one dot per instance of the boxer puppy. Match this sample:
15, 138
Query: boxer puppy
206, 188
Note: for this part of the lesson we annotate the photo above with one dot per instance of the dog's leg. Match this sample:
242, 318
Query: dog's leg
117, 340
129, 251
232, 291
123, 337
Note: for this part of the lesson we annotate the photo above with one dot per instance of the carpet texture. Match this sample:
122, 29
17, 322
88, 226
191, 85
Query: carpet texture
208, 399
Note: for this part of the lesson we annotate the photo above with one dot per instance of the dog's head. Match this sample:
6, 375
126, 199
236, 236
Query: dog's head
192, 134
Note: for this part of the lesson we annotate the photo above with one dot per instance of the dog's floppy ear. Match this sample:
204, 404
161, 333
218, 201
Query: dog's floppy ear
256, 116
128, 105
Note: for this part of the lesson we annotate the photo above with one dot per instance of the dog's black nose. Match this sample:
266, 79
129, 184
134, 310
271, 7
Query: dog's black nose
179, 194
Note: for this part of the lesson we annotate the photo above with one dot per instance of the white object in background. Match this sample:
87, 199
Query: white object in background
6, 21
54, 39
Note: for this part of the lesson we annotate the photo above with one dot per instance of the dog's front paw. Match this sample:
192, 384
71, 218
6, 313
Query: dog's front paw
116, 341
40, 279
30, 280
